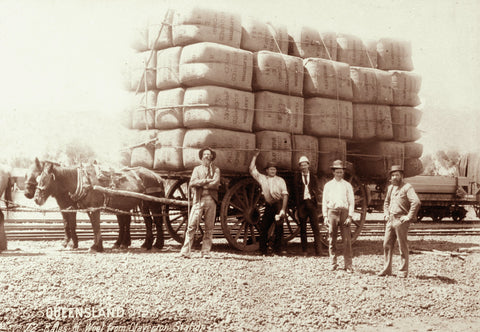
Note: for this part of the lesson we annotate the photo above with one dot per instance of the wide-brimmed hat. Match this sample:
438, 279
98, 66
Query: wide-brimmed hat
200, 153
271, 164
395, 168
303, 159
337, 164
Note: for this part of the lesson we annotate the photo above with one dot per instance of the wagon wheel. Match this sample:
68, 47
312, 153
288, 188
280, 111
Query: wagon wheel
477, 210
359, 215
240, 215
176, 217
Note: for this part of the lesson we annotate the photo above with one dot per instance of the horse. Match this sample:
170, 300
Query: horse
76, 183
64, 202
6, 185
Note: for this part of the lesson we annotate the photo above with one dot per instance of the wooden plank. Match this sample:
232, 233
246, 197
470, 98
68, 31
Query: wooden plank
115, 192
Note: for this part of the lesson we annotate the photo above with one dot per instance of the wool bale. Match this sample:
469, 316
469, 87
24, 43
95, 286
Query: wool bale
260, 36
409, 116
275, 146
143, 109
160, 31
328, 117
325, 78
304, 145
168, 75
215, 64
234, 149
278, 112
307, 42
138, 37
141, 67
169, 114
384, 87
405, 87
144, 150
278, 73
371, 47
352, 50
412, 167
197, 24
227, 108
329, 150
372, 121
394, 54
403, 133
413, 150
364, 85
374, 159
169, 150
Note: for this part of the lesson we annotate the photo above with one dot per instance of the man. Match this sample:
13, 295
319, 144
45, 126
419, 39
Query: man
305, 190
400, 208
204, 182
274, 190
338, 204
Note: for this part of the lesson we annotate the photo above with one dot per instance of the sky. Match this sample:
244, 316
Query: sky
61, 62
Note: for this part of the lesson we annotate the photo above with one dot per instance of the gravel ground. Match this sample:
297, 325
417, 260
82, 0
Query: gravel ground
44, 288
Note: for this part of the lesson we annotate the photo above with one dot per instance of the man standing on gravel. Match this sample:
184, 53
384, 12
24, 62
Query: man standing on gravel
400, 208
204, 182
275, 191
338, 204
305, 190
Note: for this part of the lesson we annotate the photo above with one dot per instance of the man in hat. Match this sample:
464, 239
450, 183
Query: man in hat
305, 190
274, 189
338, 204
204, 182
400, 208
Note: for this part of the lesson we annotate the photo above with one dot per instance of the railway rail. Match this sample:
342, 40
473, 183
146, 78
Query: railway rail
42, 230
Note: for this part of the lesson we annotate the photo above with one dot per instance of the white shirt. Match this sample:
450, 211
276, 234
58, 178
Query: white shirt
338, 194
306, 192
273, 188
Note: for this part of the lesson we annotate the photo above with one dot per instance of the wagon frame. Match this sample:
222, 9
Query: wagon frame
241, 205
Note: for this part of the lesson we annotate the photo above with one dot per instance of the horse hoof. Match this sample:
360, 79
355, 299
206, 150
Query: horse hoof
158, 246
116, 246
123, 246
95, 249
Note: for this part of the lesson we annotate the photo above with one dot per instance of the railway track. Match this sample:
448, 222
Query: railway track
43, 231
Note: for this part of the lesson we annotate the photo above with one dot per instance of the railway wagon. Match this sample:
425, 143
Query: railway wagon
441, 196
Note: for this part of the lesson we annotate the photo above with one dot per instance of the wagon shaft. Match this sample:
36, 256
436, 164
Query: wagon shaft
140, 196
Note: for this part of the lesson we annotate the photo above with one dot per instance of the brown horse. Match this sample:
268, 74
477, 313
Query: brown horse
5, 190
56, 180
64, 202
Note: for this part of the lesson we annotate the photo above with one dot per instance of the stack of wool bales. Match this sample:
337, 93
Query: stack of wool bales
208, 78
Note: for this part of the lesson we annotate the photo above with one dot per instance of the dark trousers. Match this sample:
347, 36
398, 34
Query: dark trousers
396, 231
308, 210
267, 220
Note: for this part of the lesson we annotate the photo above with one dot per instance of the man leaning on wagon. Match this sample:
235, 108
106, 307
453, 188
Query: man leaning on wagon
274, 189
338, 204
204, 182
400, 208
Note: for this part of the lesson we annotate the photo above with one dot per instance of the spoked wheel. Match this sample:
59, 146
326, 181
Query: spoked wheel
360, 212
176, 217
241, 211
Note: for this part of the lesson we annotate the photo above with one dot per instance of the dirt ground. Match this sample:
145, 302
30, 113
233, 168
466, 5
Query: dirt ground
234, 291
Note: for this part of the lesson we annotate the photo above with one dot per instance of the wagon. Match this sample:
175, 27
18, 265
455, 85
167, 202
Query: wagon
441, 196
241, 205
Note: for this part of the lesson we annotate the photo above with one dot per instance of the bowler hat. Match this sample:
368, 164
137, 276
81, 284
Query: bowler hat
396, 168
337, 164
303, 159
200, 153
